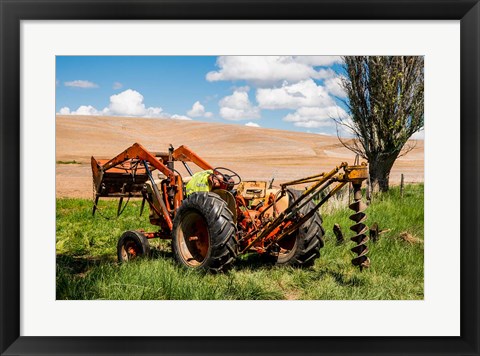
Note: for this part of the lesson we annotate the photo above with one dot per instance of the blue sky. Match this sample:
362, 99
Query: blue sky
298, 93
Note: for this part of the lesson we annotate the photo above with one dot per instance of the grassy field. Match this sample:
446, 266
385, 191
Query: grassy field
87, 267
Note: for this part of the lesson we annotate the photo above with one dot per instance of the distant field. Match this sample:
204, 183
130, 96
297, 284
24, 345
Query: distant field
255, 153
87, 267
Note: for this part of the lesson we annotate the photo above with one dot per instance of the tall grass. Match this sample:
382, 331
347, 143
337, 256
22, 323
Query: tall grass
87, 267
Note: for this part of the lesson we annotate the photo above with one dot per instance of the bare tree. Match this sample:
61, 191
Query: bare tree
385, 100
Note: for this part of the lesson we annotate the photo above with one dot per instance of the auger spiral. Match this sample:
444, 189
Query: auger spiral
359, 228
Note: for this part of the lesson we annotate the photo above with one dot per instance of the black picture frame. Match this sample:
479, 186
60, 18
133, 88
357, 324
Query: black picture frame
11, 14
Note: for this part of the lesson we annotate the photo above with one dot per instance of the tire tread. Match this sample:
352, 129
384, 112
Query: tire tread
222, 230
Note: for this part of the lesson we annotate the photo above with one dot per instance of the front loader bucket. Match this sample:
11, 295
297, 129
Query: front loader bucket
124, 180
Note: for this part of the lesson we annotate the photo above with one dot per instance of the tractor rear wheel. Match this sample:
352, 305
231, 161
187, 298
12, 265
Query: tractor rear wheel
131, 245
204, 233
302, 247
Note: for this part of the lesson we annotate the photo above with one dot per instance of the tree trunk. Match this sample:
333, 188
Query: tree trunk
380, 172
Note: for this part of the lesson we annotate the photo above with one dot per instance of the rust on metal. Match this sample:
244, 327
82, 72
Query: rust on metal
360, 229
264, 218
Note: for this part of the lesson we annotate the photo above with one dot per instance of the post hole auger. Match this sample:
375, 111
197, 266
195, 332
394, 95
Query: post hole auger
291, 220
212, 215
359, 228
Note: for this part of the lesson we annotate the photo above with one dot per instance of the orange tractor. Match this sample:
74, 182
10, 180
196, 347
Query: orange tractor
210, 228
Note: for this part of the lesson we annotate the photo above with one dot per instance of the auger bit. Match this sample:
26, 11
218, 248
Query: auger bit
338, 177
359, 228
356, 175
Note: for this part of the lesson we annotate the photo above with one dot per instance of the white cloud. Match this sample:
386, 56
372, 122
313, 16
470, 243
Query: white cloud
315, 117
419, 135
179, 117
117, 85
238, 107
87, 110
244, 88
323, 133
82, 110
85, 84
319, 60
334, 86
303, 94
252, 124
130, 103
198, 110
266, 70
127, 103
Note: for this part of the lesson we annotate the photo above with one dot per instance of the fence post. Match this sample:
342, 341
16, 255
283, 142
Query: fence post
401, 186
338, 234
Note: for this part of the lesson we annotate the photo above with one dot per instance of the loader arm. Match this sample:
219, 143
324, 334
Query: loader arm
139, 154
137, 151
125, 175
185, 154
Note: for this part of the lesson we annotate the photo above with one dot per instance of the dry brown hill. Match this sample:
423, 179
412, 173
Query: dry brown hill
255, 153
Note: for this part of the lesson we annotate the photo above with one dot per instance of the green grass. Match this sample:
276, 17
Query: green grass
87, 267
68, 162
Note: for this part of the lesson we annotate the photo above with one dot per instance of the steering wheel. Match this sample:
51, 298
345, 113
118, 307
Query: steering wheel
227, 176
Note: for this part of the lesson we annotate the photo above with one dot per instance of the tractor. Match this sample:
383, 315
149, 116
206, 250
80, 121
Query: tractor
211, 226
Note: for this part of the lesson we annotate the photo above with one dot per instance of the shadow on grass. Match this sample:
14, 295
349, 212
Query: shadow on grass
245, 262
249, 262
340, 278
253, 261
80, 264
159, 254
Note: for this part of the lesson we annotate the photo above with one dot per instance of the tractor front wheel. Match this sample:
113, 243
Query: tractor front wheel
302, 247
204, 233
132, 245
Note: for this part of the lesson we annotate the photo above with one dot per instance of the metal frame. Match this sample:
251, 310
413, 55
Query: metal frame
164, 163
286, 219
12, 12
123, 171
